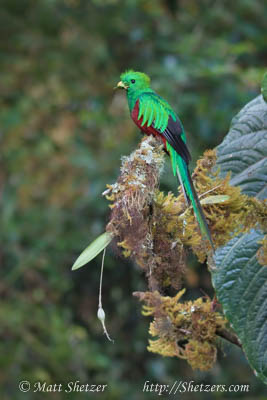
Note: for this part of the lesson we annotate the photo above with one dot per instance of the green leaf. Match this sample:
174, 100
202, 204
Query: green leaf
241, 287
264, 87
239, 280
92, 250
243, 151
214, 199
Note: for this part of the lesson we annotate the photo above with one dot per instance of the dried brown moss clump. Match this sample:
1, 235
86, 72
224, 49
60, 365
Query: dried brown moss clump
134, 218
132, 197
185, 330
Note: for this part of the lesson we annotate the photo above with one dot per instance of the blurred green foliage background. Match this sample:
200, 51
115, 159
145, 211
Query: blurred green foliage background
63, 130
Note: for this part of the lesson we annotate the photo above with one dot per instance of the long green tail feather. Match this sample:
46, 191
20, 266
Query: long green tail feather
180, 169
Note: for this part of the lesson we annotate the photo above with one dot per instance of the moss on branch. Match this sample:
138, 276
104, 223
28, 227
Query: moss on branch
157, 229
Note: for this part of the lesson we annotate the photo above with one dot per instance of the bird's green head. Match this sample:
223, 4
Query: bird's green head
134, 80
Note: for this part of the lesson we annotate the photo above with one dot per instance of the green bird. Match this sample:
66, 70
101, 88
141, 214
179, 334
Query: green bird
154, 116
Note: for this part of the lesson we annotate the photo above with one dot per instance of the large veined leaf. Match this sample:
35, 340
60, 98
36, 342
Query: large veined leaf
239, 280
244, 149
241, 287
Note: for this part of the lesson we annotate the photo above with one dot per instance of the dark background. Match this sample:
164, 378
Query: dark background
63, 130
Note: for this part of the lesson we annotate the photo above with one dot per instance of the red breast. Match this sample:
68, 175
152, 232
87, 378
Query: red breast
148, 130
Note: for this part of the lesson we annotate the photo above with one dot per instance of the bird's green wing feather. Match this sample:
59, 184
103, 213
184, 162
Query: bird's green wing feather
154, 110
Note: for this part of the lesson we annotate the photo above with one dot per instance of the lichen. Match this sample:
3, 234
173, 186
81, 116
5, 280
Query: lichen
200, 355
185, 330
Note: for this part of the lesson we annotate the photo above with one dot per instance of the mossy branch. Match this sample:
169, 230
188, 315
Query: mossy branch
156, 230
229, 336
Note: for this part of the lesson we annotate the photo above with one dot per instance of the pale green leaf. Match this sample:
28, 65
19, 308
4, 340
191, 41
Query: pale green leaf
214, 199
92, 250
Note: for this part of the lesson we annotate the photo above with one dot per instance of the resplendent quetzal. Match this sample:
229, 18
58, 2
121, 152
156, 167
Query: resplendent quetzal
153, 115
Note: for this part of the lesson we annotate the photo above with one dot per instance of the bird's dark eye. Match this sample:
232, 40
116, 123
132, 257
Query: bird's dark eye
133, 80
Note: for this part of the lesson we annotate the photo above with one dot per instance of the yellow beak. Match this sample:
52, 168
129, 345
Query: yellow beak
121, 85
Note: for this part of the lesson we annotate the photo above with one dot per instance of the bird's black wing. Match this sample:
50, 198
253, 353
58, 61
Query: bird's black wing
172, 134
